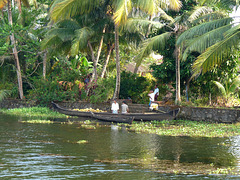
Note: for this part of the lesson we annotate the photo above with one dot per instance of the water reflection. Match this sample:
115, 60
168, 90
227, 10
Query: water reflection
50, 151
234, 148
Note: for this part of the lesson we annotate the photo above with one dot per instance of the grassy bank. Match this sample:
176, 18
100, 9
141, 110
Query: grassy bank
43, 112
187, 128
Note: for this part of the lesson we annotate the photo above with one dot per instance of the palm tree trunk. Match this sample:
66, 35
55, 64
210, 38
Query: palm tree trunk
118, 78
15, 53
187, 89
44, 64
136, 68
100, 44
106, 62
94, 62
178, 97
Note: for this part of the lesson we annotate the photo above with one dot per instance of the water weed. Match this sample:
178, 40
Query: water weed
82, 141
187, 128
38, 121
172, 166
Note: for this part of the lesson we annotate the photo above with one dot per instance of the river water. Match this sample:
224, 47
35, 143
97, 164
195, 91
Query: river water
50, 151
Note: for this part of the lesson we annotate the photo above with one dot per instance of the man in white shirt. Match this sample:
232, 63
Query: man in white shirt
115, 107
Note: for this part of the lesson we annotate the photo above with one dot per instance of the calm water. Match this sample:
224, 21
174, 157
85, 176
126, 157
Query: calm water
50, 151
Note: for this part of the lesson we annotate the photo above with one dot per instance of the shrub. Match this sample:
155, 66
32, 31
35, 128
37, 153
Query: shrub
47, 91
135, 87
103, 91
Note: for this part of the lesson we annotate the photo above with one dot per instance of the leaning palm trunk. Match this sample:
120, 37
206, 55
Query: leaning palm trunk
100, 45
106, 62
118, 78
95, 60
15, 53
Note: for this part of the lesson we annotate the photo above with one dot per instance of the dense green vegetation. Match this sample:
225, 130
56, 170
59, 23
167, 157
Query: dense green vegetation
33, 112
48, 51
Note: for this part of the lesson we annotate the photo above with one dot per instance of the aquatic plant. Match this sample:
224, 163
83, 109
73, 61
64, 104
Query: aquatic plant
187, 128
38, 121
88, 126
82, 141
172, 166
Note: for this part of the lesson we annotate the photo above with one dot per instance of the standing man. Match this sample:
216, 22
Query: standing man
124, 107
115, 107
151, 97
156, 93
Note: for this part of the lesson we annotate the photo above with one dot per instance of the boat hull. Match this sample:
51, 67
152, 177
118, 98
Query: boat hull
70, 112
117, 118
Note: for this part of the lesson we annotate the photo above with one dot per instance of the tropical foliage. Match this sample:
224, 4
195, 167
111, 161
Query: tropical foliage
48, 49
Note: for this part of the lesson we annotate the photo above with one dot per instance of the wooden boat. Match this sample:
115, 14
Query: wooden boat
117, 118
155, 116
150, 116
70, 112
109, 117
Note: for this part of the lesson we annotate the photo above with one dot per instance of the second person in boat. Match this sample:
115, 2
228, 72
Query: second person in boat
124, 107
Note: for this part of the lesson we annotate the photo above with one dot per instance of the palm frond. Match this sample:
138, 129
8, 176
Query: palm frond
201, 43
210, 17
202, 29
224, 3
135, 25
156, 6
69, 24
64, 9
215, 54
233, 30
155, 43
4, 94
234, 85
175, 4
164, 15
221, 88
123, 8
150, 6
81, 39
63, 33
51, 41
199, 11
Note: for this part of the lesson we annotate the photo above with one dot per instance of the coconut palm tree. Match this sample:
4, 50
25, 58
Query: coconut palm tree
118, 9
80, 33
216, 38
169, 27
122, 11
